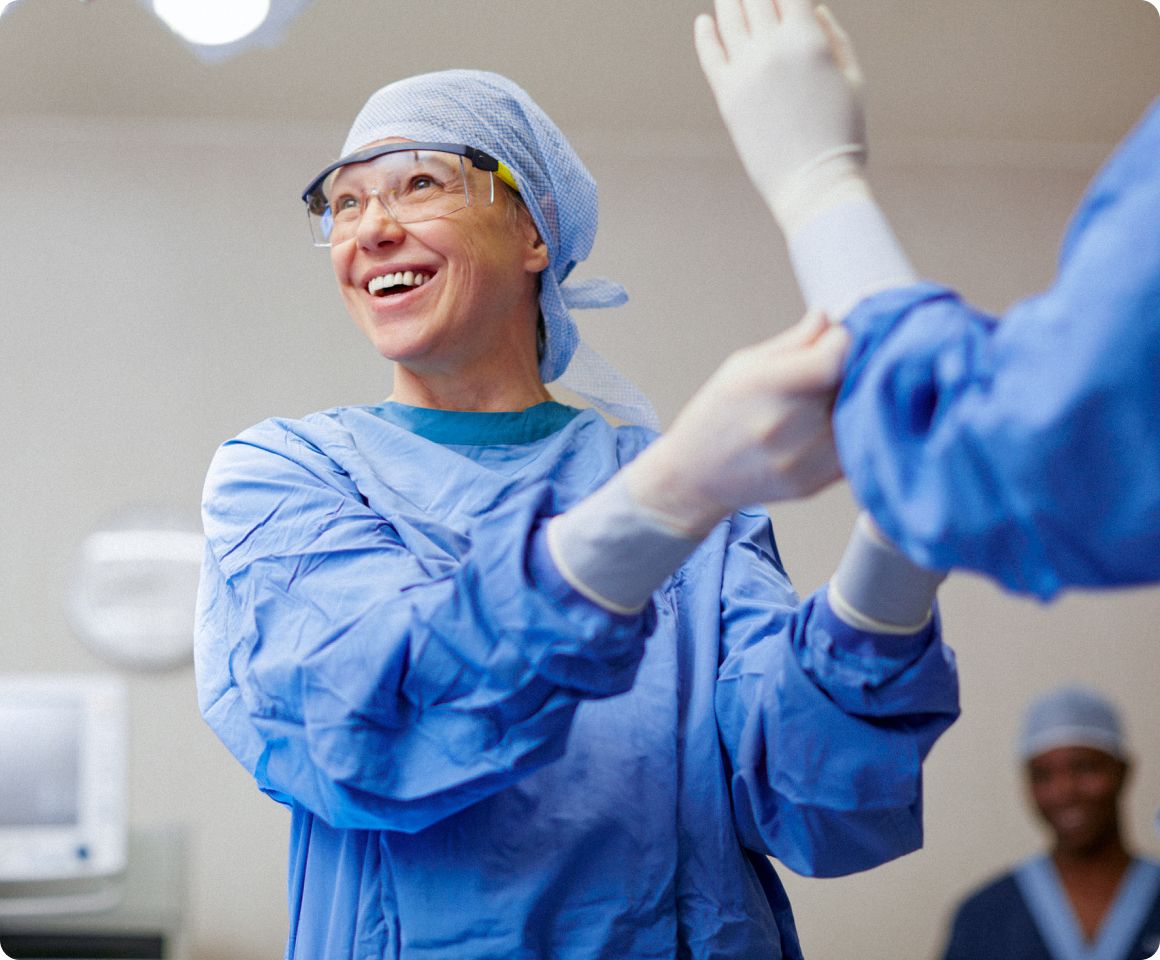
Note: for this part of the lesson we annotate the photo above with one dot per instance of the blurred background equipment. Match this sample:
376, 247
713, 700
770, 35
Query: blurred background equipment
75, 879
63, 810
134, 589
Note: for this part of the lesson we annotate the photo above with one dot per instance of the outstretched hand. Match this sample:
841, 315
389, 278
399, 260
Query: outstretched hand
788, 87
757, 431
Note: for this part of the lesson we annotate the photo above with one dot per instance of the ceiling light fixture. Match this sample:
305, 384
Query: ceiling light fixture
218, 29
212, 22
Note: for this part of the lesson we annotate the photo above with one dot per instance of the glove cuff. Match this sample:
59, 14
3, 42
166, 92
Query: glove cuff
614, 551
830, 179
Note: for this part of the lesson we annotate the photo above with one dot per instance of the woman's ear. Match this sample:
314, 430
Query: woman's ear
536, 256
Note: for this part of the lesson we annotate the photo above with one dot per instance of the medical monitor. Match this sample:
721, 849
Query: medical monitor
63, 832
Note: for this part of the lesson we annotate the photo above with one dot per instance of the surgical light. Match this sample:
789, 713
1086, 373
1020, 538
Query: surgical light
212, 22
215, 30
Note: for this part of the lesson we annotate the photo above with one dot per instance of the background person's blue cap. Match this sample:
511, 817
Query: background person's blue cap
1072, 716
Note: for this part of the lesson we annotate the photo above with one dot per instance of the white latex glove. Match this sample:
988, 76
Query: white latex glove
757, 431
789, 89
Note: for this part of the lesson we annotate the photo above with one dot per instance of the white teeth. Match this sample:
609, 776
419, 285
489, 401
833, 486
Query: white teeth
407, 278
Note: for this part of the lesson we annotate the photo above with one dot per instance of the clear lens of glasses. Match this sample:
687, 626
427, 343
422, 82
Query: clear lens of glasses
411, 186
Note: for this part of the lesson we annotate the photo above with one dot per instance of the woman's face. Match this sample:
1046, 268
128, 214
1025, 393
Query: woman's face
476, 304
1076, 792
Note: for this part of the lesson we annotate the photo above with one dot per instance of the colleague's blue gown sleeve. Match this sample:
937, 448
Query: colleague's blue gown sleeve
1024, 448
482, 763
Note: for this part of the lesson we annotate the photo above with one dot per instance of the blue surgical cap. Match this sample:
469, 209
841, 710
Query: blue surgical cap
1072, 716
490, 112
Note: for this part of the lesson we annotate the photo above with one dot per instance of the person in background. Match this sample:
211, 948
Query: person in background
1022, 447
1089, 897
533, 684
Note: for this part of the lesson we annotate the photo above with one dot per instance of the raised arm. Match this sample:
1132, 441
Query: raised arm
1016, 447
826, 723
789, 89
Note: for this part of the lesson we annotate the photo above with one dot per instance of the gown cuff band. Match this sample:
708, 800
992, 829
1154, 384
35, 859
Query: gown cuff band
613, 551
877, 588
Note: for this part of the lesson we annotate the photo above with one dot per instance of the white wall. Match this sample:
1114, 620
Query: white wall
158, 294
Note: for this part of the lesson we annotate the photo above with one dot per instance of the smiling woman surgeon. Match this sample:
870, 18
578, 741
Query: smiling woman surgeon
533, 685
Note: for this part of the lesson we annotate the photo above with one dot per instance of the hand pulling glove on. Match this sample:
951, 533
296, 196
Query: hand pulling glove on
787, 84
789, 89
757, 431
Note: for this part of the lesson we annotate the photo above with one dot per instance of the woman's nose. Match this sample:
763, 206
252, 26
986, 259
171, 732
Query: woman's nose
378, 225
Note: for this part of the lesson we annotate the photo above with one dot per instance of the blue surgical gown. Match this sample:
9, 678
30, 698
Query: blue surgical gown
1024, 448
481, 763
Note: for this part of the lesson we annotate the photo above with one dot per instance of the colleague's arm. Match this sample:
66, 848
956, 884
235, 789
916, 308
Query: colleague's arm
788, 85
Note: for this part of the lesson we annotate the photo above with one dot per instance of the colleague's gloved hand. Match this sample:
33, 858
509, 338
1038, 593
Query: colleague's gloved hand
788, 87
757, 431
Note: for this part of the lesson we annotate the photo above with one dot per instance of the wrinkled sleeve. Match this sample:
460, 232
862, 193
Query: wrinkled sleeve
380, 687
1023, 448
825, 727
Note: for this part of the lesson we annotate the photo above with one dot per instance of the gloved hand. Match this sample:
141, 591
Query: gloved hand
788, 87
757, 431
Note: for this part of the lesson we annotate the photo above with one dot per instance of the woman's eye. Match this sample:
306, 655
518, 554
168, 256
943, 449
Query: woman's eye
423, 182
344, 203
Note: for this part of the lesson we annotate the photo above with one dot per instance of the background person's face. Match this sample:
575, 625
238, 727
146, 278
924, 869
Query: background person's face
1076, 792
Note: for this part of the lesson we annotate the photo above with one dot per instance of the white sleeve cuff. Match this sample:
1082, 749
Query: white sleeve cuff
845, 253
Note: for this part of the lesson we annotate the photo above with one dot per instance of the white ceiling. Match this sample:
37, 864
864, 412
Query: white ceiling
1058, 71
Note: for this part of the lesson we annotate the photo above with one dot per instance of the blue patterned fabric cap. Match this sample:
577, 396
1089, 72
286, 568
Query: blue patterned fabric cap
488, 111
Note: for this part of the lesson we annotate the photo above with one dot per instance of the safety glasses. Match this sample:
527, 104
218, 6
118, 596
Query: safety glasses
412, 181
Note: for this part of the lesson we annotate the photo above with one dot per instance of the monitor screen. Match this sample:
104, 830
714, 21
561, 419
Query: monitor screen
40, 756
63, 740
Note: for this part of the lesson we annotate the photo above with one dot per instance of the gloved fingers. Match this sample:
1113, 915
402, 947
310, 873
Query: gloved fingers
840, 46
827, 354
818, 367
813, 335
801, 334
801, 11
802, 452
708, 44
763, 15
808, 358
732, 27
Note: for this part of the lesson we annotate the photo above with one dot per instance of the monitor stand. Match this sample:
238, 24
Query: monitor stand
140, 915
